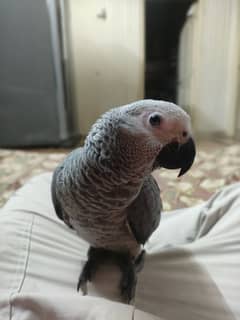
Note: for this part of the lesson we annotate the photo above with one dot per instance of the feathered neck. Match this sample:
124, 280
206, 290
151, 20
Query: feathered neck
114, 147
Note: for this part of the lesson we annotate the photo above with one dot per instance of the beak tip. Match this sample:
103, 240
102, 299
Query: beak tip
180, 174
183, 171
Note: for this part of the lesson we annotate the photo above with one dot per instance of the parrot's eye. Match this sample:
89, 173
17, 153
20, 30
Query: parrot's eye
155, 119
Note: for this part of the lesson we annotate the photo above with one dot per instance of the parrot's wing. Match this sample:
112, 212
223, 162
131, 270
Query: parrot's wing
57, 206
56, 180
145, 211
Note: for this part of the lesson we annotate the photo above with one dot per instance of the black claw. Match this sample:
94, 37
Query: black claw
88, 270
84, 277
139, 262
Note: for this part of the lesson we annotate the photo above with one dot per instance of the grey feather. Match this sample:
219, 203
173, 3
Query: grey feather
56, 203
145, 211
106, 186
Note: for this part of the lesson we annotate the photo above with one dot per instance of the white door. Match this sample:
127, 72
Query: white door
106, 42
186, 61
209, 58
217, 66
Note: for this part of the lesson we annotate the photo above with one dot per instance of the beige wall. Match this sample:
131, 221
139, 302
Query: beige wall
238, 82
106, 45
214, 75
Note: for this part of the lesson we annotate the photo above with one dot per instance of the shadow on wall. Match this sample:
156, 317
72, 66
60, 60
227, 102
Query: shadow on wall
164, 21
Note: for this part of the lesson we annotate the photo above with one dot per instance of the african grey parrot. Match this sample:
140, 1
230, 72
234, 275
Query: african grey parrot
105, 190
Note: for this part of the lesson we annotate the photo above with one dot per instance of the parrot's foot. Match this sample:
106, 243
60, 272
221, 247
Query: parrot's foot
129, 278
89, 269
124, 261
130, 268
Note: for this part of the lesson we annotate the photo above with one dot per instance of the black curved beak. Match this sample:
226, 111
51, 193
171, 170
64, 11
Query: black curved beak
176, 156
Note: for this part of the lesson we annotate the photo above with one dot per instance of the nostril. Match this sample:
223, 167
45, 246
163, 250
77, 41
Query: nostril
184, 134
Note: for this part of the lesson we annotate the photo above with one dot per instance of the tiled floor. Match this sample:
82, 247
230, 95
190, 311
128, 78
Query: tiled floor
217, 164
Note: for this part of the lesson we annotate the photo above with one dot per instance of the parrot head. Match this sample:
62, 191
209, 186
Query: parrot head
148, 131
167, 125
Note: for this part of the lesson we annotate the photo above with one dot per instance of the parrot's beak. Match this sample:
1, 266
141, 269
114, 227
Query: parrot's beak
177, 156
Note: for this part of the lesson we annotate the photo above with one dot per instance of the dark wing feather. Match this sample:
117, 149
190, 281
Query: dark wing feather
145, 211
75, 155
57, 205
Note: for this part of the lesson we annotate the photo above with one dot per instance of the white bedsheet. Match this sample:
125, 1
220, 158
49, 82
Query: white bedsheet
192, 267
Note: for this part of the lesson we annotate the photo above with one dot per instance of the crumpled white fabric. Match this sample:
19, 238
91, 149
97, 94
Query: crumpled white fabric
192, 267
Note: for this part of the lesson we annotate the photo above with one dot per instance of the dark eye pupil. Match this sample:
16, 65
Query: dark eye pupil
155, 120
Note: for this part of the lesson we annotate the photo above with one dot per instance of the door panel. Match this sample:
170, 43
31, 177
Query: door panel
106, 40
